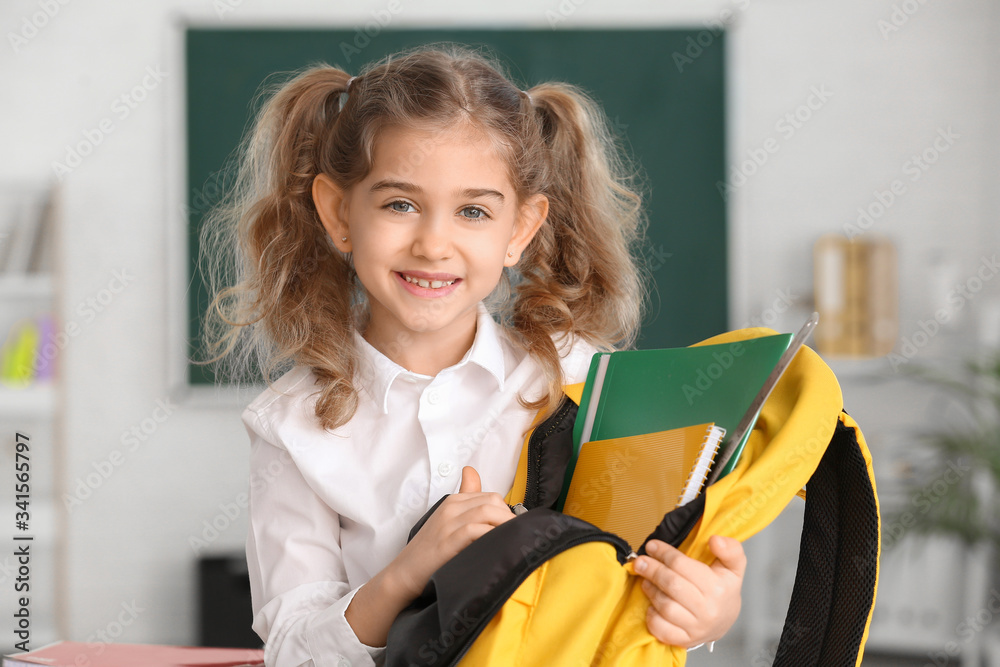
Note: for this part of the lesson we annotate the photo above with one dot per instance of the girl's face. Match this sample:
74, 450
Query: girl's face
431, 229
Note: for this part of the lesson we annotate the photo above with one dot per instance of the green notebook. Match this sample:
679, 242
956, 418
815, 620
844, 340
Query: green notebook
646, 391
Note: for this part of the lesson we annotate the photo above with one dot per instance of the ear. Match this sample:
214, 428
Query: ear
331, 205
530, 218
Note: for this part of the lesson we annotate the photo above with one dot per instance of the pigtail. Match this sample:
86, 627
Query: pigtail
283, 292
578, 274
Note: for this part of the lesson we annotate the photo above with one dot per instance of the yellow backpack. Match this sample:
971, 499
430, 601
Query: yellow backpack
549, 589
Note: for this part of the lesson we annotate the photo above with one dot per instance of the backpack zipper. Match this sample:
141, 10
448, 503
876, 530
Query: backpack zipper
535, 454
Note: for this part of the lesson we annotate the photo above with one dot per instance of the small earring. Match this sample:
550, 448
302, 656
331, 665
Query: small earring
344, 239
510, 254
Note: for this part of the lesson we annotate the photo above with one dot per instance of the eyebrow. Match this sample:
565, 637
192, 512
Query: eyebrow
470, 193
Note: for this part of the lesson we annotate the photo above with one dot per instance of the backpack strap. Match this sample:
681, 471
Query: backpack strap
835, 584
465, 594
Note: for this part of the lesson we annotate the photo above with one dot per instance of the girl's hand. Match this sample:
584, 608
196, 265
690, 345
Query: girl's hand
692, 603
462, 518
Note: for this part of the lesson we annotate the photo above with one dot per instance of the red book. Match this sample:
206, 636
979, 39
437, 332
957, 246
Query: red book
74, 654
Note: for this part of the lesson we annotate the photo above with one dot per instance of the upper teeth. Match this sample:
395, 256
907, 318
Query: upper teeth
433, 284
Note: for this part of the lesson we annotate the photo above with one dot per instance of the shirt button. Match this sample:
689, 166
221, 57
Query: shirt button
445, 469
343, 662
433, 397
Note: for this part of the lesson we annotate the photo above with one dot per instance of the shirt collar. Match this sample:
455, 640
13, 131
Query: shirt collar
376, 372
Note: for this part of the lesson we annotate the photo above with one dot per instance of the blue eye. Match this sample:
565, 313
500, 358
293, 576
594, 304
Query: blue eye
477, 213
400, 206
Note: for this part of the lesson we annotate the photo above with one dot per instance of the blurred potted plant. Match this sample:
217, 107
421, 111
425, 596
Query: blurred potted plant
951, 484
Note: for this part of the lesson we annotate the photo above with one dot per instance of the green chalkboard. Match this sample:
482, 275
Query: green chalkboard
668, 108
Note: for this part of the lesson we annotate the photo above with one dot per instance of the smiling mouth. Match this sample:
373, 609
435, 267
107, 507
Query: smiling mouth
427, 284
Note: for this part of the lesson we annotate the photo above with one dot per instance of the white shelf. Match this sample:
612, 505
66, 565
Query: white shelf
34, 401
859, 367
26, 286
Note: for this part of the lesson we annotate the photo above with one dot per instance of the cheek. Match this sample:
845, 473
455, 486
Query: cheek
376, 243
493, 256
371, 261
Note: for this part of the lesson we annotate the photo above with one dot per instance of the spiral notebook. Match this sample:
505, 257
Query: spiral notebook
625, 485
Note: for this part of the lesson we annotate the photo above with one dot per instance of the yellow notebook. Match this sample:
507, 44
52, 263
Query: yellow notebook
625, 485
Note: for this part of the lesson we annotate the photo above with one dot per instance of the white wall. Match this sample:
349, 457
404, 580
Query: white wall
129, 541
889, 98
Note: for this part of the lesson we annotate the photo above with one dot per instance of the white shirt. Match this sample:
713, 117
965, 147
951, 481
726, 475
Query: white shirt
330, 509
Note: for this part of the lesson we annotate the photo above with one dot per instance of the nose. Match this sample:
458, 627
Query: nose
433, 238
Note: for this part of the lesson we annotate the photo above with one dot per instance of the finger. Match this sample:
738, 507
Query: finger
689, 568
674, 610
485, 513
729, 553
460, 502
662, 584
665, 631
464, 535
474, 523
470, 481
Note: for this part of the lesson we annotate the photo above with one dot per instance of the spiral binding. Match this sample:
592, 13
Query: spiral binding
699, 471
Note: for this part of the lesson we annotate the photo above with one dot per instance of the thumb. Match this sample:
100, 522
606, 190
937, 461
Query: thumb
729, 553
470, 481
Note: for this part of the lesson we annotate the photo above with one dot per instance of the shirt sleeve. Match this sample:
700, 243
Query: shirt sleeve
298, 582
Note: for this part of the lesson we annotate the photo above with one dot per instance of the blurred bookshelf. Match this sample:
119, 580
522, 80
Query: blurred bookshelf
29, 412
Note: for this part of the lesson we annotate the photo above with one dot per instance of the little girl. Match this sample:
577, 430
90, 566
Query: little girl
434, 253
